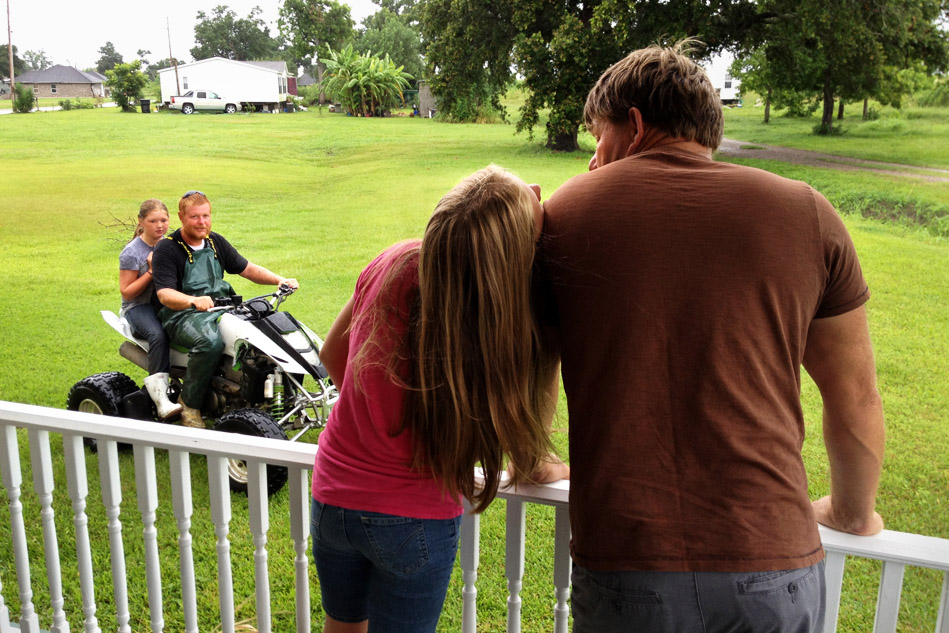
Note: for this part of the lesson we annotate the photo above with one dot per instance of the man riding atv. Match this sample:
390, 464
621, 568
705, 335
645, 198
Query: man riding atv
189, 267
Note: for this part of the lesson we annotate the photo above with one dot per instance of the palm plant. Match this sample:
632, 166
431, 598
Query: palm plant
364, 84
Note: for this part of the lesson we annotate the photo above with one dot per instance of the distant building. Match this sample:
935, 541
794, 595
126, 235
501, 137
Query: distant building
64, 82
718, 70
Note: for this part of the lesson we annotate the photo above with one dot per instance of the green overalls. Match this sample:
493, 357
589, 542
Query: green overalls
194, 330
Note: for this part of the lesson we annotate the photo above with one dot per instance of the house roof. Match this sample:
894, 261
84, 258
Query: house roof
272, 66
275, 66
61, 75
306, 79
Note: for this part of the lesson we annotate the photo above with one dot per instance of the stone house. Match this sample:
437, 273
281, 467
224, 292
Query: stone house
64, 82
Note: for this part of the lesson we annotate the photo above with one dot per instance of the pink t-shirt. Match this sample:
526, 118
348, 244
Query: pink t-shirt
359, 465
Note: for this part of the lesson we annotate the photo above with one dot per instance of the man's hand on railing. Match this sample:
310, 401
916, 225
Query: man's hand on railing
833, 518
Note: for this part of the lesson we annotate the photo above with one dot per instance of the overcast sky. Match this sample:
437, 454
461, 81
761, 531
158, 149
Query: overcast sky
72, 32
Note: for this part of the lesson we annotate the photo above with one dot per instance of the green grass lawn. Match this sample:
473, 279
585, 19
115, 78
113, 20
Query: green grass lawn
316, 197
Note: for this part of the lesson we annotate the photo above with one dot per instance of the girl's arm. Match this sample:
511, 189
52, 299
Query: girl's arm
335, 352
131, 284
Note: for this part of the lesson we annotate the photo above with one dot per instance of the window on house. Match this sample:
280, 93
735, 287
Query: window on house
34, 86
728, 84
184, 82
728, 76
52, 88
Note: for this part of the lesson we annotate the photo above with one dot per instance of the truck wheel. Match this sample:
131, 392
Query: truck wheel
100, 394
260, 424
187, 108
230, 108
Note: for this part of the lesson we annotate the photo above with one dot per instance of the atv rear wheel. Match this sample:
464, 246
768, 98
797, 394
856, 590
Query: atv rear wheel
100, 394
260, 424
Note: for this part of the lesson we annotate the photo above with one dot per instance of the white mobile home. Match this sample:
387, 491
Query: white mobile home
718, 70
264, 84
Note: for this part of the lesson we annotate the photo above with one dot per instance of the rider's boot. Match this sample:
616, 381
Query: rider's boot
192, 417
157, 387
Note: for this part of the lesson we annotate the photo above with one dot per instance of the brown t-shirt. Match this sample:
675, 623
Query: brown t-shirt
683, 290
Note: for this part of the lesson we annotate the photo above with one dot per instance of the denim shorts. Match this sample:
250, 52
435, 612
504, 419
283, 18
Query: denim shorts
391, 570
789, 601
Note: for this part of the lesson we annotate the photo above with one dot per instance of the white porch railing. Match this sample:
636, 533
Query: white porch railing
897, 550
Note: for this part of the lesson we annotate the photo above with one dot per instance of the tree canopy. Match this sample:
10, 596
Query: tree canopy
223, 34
851, 49
309, 25
19, 66
127, 83
559, 48
37, 60
397, 35
108, 58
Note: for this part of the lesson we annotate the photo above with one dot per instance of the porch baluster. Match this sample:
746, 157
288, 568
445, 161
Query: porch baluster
43, 484
834, 580
221, 517
111, 484
12, 479
299, 530
147, 490
180, 467
470, 553
562, 569
514, 561
942, 621
78, 486
259, 520
888, 601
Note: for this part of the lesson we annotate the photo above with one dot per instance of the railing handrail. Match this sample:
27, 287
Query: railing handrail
164, 436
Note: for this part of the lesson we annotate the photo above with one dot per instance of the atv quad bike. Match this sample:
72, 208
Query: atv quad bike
257, 389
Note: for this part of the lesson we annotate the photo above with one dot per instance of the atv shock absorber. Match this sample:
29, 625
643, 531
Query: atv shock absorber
276, 407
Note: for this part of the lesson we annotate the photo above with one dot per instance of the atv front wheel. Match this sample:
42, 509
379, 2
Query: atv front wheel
260, 424
100, 394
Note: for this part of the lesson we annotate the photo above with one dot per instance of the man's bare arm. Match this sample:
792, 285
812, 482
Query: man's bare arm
839, 357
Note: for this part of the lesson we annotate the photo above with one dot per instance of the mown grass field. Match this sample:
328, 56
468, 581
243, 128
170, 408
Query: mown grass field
316, 197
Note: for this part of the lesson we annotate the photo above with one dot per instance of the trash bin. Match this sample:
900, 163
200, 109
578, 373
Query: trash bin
146, 106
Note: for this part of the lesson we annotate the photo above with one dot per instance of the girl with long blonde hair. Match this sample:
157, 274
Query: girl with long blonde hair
441, 367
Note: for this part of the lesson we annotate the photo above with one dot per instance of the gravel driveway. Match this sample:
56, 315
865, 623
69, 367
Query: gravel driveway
731, 148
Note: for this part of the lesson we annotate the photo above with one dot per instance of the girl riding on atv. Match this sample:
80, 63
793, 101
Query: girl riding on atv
139, 303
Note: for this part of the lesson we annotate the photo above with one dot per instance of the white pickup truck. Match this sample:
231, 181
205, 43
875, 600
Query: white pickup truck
194, 100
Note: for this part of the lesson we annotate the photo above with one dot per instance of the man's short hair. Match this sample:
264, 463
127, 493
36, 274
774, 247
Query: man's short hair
672, 92
192, 199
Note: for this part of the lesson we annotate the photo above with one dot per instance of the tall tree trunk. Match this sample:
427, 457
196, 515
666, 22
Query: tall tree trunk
827, 118
562, 141
866, 108
840, 110
767, 106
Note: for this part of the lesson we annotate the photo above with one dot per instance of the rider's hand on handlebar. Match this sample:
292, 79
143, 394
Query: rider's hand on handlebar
202, 304
289, 284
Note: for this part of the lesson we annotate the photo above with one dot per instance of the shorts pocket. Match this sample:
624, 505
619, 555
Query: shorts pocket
398, 543
788, 581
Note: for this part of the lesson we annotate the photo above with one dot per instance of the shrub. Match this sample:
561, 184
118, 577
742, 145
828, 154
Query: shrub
66, 104
937, 97
25, 100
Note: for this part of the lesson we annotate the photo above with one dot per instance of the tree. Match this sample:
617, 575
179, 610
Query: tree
223, 34
37, 60
19, 66
108, 58
559, 48
388, 33
853, 47
364, 85
468, 46
127, 83
311, 25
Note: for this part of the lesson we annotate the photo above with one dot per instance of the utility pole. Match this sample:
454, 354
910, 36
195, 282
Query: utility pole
10, 50
170, 56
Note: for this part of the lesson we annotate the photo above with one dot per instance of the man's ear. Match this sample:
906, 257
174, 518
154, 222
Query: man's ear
635, 121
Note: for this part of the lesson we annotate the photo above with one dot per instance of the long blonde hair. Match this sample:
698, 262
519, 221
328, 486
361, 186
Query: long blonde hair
478, 378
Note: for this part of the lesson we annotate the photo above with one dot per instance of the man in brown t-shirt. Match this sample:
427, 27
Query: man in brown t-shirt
686, 294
